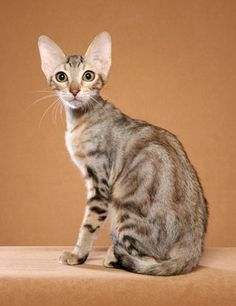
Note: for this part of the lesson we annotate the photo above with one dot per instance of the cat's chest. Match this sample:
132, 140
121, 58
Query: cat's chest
74, 142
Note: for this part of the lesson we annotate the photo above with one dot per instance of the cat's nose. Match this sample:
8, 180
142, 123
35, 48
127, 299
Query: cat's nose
74, 91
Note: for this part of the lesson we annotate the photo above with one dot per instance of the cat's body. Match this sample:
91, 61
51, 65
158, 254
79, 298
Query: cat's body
137, 174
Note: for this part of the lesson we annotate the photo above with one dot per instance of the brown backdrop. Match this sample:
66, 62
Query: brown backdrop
174, 64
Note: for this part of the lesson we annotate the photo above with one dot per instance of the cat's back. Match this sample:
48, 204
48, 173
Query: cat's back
150, 154
136, 136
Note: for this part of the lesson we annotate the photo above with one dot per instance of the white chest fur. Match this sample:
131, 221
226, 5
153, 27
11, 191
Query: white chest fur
73, 144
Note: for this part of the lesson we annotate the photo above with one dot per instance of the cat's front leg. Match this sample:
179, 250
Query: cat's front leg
94, 217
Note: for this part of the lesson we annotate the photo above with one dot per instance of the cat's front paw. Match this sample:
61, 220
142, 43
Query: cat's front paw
69, 258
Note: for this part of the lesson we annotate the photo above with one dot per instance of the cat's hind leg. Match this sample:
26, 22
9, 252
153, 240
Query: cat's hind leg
110, 260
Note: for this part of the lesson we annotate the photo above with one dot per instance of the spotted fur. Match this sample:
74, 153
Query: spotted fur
137, 173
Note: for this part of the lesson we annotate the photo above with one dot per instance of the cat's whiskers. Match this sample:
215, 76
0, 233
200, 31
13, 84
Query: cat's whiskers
58, 107
90, 105
37, 101
54, 105
36, 91
61, 109
95, 100
56, 111
54, 108
46, 111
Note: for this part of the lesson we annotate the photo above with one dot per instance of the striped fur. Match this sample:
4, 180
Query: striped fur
137, 174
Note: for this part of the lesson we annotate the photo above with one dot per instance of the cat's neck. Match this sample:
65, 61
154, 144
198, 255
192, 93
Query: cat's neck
75, 116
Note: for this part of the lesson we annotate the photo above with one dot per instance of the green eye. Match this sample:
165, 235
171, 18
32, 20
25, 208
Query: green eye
88, 76
61, 76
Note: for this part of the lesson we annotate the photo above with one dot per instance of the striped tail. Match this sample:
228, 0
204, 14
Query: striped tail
172, 266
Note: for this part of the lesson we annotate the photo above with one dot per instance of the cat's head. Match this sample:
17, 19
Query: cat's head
76, 79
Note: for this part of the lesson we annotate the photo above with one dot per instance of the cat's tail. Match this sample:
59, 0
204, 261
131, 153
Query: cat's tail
173, 266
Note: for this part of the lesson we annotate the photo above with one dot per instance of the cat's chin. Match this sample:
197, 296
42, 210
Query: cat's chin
73, 104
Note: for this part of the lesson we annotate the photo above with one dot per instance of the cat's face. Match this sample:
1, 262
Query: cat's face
76, 80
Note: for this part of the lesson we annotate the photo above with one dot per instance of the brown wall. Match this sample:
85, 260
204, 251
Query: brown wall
174, 64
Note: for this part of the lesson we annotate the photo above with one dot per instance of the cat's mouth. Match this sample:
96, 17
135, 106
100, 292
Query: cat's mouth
74, 102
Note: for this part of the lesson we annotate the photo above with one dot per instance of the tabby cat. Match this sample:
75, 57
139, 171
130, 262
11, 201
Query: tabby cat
136, 173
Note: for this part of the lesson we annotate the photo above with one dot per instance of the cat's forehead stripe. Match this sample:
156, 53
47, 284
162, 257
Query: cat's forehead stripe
74, 60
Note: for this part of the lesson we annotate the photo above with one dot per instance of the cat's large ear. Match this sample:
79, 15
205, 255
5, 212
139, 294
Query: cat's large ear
99, 54
51, 55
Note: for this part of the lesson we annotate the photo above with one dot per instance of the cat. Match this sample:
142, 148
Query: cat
135, 172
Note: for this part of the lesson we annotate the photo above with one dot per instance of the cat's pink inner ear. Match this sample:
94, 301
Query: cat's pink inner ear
99, 54
51, 55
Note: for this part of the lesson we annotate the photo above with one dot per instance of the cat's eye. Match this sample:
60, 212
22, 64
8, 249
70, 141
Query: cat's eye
88, 76
61, 76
